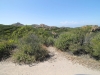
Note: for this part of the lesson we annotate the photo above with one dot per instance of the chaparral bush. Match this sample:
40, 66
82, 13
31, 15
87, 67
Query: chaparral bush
29, 50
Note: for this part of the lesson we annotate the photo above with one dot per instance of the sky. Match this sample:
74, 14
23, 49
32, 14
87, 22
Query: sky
66, 13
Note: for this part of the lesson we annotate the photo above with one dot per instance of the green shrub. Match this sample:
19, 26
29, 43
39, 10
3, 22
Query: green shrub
30, 50
73, 42
95, 44
77, 49
74, 47
6, 31
21, 56
6, 48
22, 31
44, 35
49, 41
64, 41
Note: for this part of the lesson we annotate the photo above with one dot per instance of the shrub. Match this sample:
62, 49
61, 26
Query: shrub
77, 49
95, 44
74, 47
6, 48
22, 31
44, 35
6, 31
30, 50
49, 41
73, 42
64, 41
21, 56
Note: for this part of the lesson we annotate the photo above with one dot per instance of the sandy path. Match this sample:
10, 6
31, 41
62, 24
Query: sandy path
57, 65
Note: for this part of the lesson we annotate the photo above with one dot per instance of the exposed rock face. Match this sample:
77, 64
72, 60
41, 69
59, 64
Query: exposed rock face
43, 25
17, 24
95, 28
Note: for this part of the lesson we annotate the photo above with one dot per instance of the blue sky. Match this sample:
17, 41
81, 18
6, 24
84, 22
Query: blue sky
69, 13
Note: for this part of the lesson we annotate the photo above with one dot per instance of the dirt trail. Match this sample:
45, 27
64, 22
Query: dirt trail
56, 65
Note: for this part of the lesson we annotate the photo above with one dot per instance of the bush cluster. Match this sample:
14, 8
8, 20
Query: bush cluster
28, 41
95, 44
6, 48
30, 50
80, 41
64, 41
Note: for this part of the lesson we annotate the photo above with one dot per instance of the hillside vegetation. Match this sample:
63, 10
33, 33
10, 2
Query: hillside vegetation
24, 43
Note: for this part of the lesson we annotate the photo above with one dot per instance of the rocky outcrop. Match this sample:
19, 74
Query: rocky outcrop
95, 28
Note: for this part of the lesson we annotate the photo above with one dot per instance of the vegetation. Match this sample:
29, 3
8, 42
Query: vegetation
64, 41
29, 50
6, 48
95, 44
24, 42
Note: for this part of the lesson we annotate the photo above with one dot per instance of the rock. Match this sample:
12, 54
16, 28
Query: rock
95, 28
